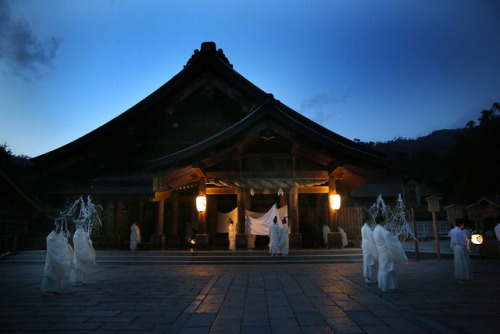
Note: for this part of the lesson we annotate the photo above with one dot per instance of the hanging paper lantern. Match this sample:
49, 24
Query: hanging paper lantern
201, 203
335, 201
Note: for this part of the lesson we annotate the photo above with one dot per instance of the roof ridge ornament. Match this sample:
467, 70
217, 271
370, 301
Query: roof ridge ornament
209, 47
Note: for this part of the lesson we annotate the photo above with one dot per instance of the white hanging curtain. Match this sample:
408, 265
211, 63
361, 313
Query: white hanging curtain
256, 222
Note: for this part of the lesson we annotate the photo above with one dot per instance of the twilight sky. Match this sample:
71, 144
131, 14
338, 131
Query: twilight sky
372, 70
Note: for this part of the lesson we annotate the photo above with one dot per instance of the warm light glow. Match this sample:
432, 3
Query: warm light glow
477, 239
201, 203
335, 201
193, 242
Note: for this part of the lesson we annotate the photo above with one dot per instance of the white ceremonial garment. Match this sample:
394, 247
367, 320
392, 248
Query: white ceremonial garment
84, 256
58, 259
135, 236
343, 237
326, 230
460, 246
389, 251
497, 231
274, 239
284, 240
370, 255
232, 237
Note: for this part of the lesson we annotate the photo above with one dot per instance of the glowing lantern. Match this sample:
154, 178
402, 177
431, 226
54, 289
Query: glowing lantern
201, 203
335, 201
477, 239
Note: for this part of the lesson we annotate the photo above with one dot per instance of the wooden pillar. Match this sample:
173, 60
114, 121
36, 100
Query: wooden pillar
293, 211
332, 189
241, 236
158, 239
212, 219
202, 236
173, 237
334, 237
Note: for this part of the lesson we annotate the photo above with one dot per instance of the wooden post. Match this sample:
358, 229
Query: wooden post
436, 236
331, 213
202, 236
241, 236
173, 240
415, 241
433, 206
160, 217
293, 220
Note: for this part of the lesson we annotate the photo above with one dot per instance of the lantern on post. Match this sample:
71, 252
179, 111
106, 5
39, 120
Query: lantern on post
201, 203
477, 239
335, 201
433, 207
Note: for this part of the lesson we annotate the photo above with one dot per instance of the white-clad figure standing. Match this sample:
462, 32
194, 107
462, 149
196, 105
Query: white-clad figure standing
84, 256
135, 236
370, 255
461, 250
274, 237
231, 235
58, 260
325, 231
389, 251
284, 238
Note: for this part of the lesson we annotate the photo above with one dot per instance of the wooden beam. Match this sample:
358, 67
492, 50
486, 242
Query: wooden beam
162, 195
221, 191
313, 190
306, 175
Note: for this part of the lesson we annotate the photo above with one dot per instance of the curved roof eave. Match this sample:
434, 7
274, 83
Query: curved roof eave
195, 65
310, 129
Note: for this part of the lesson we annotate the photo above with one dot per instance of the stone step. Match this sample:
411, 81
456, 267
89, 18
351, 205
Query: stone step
202, 257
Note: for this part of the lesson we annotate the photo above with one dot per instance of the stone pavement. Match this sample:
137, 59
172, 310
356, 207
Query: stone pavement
287, 298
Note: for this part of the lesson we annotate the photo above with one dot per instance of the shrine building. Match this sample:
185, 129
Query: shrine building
210, 135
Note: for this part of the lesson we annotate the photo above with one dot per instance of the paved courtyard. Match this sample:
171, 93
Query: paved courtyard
286, 298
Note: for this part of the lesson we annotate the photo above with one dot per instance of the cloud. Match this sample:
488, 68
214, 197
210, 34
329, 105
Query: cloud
320, 105
20, 48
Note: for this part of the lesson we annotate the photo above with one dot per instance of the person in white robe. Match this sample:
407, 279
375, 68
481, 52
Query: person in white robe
370, 255
343, 237
326, 230
461, 250
284, 238
389, 251
58, 260
84, 256
497, 231
135, 236
274, 237
231, 235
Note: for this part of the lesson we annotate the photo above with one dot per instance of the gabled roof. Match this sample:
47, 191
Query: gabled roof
308, 138
208, 58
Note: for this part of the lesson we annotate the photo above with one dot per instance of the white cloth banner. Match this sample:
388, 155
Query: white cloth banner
256, 222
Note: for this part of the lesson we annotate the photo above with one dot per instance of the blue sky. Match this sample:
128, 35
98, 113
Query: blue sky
372, 70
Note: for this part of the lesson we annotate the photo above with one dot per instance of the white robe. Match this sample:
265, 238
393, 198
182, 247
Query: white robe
370, 255
343, 237
59, 258
232, 237
389, 251
84, 256
274, 239
326, 230
135, 236
460, 246
284, 240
